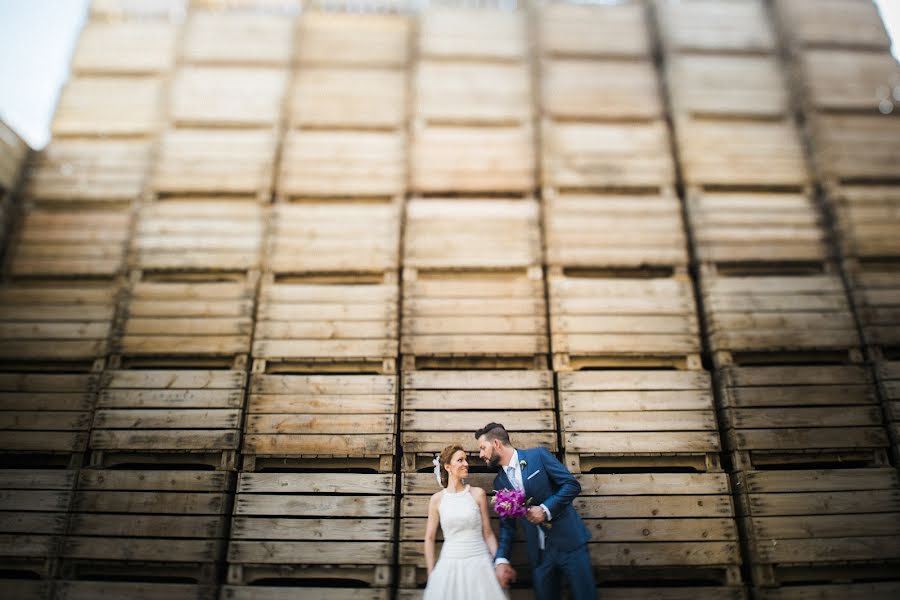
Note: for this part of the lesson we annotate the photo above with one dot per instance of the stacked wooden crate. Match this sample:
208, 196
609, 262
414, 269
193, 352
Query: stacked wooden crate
14, 153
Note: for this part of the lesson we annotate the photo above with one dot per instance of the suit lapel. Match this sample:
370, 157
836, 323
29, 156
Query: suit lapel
524, 470
504, 477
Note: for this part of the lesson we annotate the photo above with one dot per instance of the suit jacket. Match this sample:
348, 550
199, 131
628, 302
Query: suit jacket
546, 482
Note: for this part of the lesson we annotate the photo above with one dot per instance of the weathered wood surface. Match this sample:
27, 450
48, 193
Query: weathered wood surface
619, 30
344, 97
467, 33
713, 26
353, 39
109, 106
204, 96
217, 37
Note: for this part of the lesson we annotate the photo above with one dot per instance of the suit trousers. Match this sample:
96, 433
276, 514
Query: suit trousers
575, 565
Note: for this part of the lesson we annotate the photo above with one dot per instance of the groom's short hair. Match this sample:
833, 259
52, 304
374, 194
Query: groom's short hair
493, 431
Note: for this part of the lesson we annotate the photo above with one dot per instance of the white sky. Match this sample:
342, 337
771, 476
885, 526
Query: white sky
36, 42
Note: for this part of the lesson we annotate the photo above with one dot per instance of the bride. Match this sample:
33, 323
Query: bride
465, 569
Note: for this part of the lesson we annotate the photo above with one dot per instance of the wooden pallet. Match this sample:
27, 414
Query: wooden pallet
486, 319
138, 10
472, 93
169, 320
314, 421
235, 162
751, 227
109, 107
833, 23
619, 30
335, 237
875, 291
89, 171
474, 234
595, 90
14, 153
888, 373
45, 418
216, 36
639, 230
604, 156
608, 321
25, 589
214, 96
835, 591
348, 98
867, 219
353, 40
56, 325
791, 318
472, 160
33, 503
326, 327
168, 417
473, 34
647, 419
89, 590
147, 524
439, 408
820, 526
296, 526
70, 244
727, 85
851, 148
199, 234
741, 153
234, 592
865, 79
801, 416
713, 26
141, 48
329, 163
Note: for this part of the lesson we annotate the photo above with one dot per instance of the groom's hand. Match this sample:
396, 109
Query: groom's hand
505, 574
535, 515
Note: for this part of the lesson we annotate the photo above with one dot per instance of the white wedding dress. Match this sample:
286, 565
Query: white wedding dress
464, 570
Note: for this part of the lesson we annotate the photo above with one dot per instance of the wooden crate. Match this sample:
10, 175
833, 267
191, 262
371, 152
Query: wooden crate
296, 526
45, 418
741, 153
321, 421
309, 326
215, 161
334, 237
638, 419
856, 148
876, 294
318, 164
440, 408
471, 234
13, 154
487, 319
820, 526
138, 10
120, 48
867, 219
27, 589
236, 592
33, 506
218, 37
467, 93
888, 373
638, 230
348, 97
89, 590
204, 96
801, 416
184, 323
146, 524
832, 23
629, 321
746, 227
56, 326
834, 591
65, 244
168, 417
727, 85
472, 160
353, 39
199, 234
607, 155
837, 79
661, 528
82, 171
736, 26
583, 30
600, 89
473, 33
772, 318
109, 106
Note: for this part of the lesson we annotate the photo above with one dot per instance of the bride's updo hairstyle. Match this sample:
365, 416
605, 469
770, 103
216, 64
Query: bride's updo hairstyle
446, 456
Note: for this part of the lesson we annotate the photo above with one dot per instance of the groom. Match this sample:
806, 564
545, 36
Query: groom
556, 536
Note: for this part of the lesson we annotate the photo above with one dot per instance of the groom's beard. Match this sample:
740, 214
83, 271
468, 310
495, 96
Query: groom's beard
494, 461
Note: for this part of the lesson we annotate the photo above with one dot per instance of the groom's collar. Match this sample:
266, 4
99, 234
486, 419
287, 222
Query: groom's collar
513, 460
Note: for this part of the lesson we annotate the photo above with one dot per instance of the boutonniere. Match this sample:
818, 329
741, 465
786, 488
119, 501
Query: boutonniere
522, 464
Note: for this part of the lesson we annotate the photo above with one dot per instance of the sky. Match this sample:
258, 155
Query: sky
36, 42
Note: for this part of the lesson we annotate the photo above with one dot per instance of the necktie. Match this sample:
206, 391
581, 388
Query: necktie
511, 473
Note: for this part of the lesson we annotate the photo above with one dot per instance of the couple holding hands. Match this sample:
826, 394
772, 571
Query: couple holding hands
473, 563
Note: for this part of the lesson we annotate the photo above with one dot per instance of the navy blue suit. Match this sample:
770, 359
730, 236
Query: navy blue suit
548, 482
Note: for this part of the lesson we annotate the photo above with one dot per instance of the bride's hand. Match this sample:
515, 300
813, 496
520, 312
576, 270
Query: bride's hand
505, 574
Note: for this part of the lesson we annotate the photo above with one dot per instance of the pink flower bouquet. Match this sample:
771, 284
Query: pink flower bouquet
509, 504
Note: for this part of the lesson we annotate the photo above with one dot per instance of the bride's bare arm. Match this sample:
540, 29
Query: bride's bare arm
489, 538
431, 531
